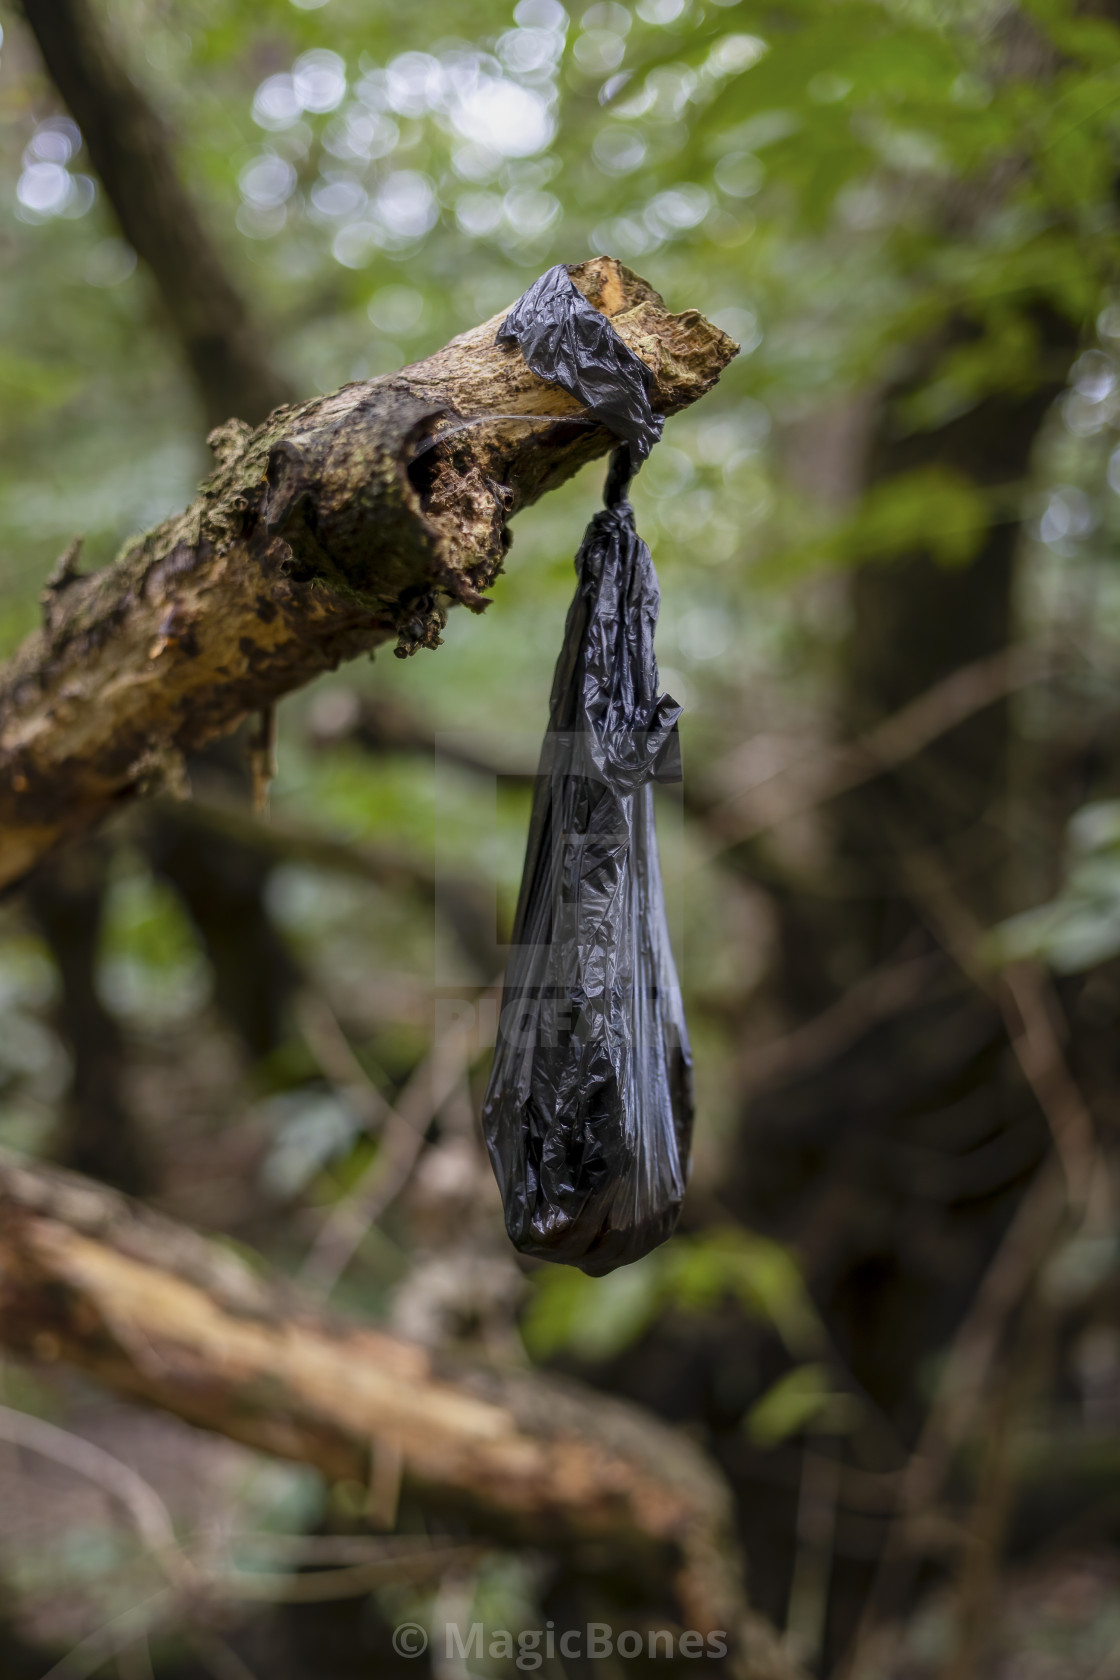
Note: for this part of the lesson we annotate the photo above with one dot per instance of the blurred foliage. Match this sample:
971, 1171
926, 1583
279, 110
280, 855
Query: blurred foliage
804, 1398
835, 182
151, 960
596, 1318
830, 181
1080, 928
381, 182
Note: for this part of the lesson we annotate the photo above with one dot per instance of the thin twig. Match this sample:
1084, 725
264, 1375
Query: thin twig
348, 1581
386, 1478
816, 1538
339, 1065
403, 1139
818, 777
1074, 1183
262, 758
814, 777
87, 1657
221, 1659
1029, 1007
979, 1563
134, 1661
137, 1497
1038, 1219
155, 1528
393, 872
348, 1549
877, 996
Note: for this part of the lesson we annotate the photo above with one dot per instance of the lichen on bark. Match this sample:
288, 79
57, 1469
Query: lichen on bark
341, 523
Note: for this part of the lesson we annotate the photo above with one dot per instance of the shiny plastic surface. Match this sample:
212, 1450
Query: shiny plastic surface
565, 340
588, 1115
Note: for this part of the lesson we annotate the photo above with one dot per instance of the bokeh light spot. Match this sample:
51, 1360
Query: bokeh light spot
396, 309
109, 263
276, 104
618, 150
44, 188
511, 120
540, 14
319, 80
267, 181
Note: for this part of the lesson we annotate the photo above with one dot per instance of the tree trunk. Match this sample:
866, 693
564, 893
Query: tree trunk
129, 145
896, 1164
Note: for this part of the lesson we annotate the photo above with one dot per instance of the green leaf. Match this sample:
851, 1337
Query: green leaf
1080, 927
595, 1318
800, 1398
761, 1274
933, 510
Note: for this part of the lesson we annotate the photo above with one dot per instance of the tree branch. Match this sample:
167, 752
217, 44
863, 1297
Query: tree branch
334, 526
131, 151
157, 1312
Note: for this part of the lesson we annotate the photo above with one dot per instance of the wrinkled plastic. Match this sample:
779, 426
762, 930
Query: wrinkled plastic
588, 1115
565, 340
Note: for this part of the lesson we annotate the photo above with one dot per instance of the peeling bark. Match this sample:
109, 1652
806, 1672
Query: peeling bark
336, 525
155, 1311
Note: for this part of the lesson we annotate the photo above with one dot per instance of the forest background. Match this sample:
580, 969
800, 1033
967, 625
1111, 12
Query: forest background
891, 609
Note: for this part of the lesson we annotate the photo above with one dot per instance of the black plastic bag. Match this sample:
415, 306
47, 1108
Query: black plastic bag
564, 339
588, 1114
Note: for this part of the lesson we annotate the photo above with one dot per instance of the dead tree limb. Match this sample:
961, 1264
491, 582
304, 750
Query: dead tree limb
131, 151
157, 1312
338, 524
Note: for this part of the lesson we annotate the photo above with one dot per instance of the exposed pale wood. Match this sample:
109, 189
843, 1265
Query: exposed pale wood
156, 1311
334, 526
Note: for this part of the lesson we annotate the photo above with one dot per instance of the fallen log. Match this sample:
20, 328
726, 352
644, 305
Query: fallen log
156, 1311
336, 525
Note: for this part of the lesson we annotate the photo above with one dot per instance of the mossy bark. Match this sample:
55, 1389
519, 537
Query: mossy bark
338, 524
